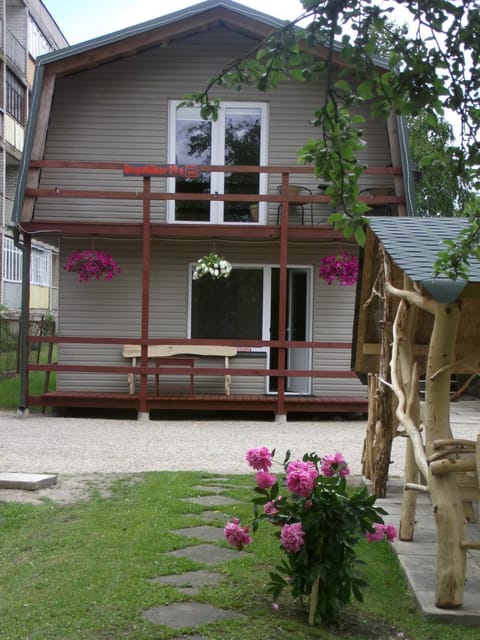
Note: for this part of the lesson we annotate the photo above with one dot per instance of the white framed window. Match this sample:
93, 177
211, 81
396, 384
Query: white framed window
15, 97
12, 261
37, 42
238, 137
40, 267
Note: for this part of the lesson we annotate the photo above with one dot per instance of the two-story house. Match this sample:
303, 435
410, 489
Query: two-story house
113, 163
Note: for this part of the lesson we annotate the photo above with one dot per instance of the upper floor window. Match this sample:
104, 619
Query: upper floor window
12, 261
37, 42
40, 267
15, 97
238, 137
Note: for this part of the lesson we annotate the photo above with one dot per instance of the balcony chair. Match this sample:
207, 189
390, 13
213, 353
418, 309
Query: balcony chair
298, 190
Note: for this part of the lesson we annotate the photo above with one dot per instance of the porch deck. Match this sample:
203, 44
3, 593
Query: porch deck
203, 402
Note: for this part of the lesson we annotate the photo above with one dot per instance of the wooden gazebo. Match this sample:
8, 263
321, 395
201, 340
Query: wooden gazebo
416, 325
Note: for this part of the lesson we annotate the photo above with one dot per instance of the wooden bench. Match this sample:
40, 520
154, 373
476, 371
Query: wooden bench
177, 355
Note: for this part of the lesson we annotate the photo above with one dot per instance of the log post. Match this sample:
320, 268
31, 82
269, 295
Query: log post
446, 502
407, 315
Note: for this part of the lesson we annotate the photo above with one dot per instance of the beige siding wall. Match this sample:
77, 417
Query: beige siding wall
113, 309
118, 112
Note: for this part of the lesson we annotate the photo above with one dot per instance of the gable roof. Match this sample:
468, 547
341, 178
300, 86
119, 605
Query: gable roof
189, 20
182, 22
414, 244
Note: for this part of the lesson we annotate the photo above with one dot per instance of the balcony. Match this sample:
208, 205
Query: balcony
15, 51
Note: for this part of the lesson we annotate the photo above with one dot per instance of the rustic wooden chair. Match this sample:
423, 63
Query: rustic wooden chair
297, 190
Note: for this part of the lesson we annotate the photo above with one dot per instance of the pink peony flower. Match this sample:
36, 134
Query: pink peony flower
375, 536
237, 535
382, 532
260, 458
333, 465
301, 477
390, 532
292, 536
265, 480
269, 508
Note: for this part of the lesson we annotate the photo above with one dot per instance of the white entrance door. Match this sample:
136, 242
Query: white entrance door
299, 324
298, 328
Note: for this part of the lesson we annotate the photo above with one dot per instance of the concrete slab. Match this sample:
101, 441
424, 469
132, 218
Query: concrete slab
418, 560
202, 532
187, 614
191, 582
27, 481
209, 554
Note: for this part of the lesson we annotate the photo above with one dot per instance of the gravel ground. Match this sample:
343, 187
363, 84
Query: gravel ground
45, 444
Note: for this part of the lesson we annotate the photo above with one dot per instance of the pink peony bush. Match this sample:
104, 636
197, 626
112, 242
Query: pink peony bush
318, 522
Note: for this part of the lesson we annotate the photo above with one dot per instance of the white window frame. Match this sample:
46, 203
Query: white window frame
266, 301
40, 267
38, 43
218, 155
12, 261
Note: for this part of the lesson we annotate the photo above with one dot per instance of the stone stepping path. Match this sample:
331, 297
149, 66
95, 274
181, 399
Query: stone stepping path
191, 613
207, 554
191, 582
187, 614
210, 516
203, 532
212, 501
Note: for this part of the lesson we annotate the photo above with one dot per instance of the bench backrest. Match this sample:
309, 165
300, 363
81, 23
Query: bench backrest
165, 350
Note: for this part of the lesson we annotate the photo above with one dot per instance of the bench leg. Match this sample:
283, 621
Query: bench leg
131, 379
228, 378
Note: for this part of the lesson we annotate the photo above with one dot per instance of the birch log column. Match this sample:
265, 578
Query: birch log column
446, 503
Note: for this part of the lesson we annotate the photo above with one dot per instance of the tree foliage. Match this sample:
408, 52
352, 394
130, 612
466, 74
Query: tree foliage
434, 67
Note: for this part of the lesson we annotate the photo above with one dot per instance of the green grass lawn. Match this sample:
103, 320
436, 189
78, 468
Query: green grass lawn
83, 572
10, 386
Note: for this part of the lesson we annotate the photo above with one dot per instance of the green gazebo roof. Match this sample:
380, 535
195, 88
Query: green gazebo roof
414, 244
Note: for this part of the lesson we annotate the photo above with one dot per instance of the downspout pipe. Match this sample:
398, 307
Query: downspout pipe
24, 243
409, 168
25, 246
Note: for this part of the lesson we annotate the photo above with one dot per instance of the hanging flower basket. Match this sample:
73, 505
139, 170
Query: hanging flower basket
90, 264
339, 268
212, 266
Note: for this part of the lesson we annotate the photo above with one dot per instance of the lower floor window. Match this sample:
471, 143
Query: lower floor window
228, 308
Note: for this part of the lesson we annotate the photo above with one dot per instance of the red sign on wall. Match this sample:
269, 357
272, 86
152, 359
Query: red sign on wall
163, 170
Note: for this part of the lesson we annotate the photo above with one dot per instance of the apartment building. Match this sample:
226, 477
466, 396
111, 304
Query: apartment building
27, 30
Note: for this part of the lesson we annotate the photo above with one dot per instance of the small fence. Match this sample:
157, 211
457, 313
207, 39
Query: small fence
10, 342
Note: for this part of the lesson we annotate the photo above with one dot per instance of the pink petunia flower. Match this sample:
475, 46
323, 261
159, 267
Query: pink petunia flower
265, 480
259, 458
333, 465
301, 477
237, 535
292, 537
